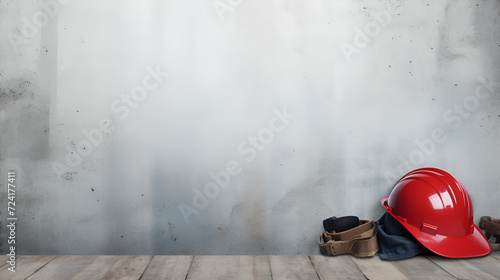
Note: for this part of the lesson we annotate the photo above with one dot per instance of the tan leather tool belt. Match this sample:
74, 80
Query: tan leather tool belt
360, 241
491, 227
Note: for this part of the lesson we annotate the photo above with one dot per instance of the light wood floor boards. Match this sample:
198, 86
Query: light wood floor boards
248, 267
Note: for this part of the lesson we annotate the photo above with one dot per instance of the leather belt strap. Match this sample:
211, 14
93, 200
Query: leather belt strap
360, 241
491, 227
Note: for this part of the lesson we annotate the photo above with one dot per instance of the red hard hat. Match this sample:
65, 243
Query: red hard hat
437, 210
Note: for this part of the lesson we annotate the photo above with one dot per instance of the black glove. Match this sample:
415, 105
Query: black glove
340, 224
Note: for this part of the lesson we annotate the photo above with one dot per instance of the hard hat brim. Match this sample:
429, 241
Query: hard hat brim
469, 246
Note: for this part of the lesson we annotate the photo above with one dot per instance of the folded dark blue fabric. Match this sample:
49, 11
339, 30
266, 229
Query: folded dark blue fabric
395, 242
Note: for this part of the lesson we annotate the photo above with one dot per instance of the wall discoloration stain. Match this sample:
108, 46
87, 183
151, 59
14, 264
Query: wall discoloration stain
14, 90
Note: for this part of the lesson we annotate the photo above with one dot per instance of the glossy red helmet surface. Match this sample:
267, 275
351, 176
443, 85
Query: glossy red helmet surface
437, 210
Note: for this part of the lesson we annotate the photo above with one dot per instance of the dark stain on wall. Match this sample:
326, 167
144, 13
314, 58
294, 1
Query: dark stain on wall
15, 89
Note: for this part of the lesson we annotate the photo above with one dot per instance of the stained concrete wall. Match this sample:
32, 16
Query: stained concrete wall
236, 127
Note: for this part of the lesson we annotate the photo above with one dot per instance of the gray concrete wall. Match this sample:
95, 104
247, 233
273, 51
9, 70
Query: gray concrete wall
236, 127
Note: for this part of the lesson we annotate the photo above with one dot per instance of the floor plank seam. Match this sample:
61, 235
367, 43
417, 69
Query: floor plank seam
144, 271
38, 269
315, 270
454, 277
269, 265
359, 268
270, 269
190, 265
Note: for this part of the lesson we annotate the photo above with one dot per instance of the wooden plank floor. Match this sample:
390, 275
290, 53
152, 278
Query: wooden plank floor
248, 267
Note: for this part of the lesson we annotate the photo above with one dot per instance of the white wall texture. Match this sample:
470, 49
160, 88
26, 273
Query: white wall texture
376, 89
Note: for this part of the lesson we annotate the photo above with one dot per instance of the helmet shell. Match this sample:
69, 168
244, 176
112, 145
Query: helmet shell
437, 210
